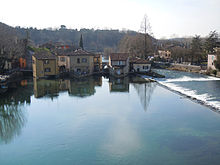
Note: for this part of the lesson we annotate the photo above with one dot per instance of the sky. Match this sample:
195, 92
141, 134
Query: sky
168, 18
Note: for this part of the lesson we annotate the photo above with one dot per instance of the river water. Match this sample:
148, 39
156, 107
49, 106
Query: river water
205, 89
106, 121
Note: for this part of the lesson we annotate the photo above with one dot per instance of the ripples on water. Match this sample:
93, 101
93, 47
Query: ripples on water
205, 89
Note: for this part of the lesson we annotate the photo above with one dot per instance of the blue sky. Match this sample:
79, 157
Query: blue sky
168, 18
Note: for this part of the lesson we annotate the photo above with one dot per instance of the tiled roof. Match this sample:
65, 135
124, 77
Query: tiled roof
78, 52
42, 54
136, 60
119, 56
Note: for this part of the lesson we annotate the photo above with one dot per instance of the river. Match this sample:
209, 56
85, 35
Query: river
107, 121
204, 89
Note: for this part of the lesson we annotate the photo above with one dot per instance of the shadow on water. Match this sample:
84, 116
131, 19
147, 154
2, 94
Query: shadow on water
12, 113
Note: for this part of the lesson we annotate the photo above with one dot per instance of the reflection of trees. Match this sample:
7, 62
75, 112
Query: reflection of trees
145, 90
12, 117
12, 120
119, 84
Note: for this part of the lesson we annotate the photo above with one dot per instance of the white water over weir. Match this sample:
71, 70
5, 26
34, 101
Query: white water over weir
206, 98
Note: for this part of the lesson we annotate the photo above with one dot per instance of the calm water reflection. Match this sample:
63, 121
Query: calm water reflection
12, 110
104, 121
79, 88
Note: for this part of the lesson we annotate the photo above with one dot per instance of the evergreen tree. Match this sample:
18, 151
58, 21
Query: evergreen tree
81, 42
211, 42
196, 50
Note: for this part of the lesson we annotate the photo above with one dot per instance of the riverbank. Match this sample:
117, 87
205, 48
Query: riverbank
192, 69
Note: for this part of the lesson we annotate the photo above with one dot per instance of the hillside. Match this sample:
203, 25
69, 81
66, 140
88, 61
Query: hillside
93, 40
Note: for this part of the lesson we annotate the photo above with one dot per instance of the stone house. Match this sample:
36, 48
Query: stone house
44, 64
97, 62
80, 63
164, 54
119, 64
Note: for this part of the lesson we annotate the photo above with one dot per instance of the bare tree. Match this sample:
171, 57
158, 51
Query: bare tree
10, 46
146, 30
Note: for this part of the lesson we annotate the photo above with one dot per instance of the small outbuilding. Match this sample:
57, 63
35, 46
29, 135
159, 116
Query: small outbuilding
139, 65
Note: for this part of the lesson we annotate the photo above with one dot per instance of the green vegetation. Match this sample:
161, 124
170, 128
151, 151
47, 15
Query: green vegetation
211, 42
81, 42
197, 52
34, 49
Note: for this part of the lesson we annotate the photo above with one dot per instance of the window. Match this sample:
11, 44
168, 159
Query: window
78, 60
62, 59
46, 61
47, 70
84, 60
145, 67
120, 62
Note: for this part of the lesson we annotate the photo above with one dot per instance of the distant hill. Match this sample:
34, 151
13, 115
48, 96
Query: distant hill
93, 40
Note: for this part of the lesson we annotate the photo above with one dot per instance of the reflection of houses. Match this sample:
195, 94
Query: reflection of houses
119, 64
44, 87
139, 65
119, 84
84, 87
75, 87
44, 64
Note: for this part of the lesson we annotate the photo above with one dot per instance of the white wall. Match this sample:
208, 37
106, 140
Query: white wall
211, 59
142, 67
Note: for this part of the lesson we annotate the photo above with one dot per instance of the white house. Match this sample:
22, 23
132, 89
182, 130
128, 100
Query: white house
139, 65
119, 64
211, 59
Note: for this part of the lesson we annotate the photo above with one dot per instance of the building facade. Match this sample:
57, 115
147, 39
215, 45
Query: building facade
211, 59
139, 65
44, 64
81, 63
97, 62
119, 64
164, 54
